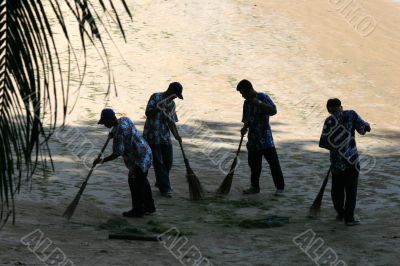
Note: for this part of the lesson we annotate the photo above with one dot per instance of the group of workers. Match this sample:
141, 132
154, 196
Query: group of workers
154, 147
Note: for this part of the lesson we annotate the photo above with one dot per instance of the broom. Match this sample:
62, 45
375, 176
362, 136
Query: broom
71, 208
225, 186
195, 188
315, 208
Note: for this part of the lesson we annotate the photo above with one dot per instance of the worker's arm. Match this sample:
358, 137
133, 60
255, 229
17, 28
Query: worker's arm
152, 108
361, 126
152, 113
118, 148
268, 108
244, 129
245, 119
106, 159
329, 125
174, 131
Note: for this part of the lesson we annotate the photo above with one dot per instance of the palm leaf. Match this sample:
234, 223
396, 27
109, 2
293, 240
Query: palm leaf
32, 80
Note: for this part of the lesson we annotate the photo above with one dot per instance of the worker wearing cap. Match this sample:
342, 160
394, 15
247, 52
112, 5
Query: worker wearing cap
161, 119
129, 143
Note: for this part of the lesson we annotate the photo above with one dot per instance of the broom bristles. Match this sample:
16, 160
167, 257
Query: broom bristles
226, 185
314, 212
74, 204
195, 189
72, 207
315, 209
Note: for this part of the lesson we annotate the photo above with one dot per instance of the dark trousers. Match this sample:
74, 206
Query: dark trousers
162, 163
255, 163
142, 198
344, 192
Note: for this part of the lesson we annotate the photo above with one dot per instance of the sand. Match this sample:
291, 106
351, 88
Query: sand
300, 53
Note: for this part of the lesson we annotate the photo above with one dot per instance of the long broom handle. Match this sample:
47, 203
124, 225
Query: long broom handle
71, 208
180, 144
240, 146
318, 199
83, 186
183, 152
184, 156
233, 166
326, 180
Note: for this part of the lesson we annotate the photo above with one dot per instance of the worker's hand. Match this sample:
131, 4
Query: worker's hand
97, 161
368, 128
243, 131
153, 112
179, 139
255, 101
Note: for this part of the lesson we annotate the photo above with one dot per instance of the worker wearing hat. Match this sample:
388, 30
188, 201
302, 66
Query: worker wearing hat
129, 143
160, 121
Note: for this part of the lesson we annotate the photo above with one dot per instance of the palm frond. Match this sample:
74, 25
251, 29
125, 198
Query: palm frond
32, 80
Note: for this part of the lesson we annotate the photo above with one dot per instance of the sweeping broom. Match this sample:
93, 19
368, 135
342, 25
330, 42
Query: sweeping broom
195, 188
71, 208
225, 186
315, 208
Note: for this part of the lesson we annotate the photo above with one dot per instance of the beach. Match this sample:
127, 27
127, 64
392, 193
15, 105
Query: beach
300, 53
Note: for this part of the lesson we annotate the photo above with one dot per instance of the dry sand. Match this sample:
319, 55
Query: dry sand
300, 53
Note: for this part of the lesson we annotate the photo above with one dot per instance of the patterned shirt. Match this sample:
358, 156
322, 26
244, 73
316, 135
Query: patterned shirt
156, 129
260, 134
338, 136
129, 143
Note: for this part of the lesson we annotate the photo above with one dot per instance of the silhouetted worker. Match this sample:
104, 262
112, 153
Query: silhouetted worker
161, 119
257, 109
130, 144
338, 136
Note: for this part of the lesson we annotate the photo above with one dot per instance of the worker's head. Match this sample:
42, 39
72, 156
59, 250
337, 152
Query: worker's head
175, 90
246, 89
107, 118
334, 105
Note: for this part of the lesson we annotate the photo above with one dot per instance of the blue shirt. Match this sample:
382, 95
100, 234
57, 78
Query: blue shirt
156, 129
129, 143
338, 136
257, 120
